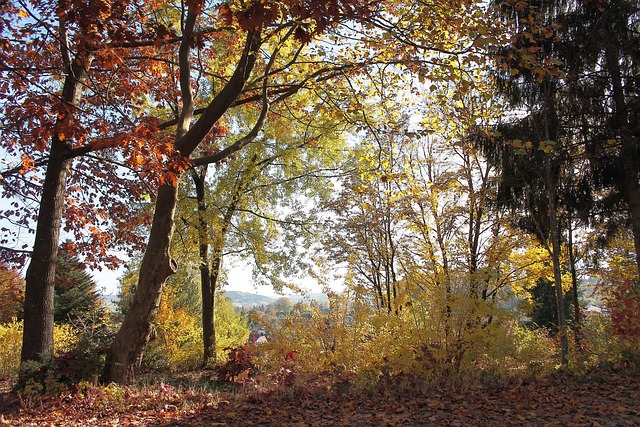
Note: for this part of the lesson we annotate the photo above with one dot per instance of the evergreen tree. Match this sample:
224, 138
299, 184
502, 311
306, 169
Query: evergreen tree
75, 291
545, 314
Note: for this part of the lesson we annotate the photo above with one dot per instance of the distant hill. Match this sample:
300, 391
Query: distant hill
240, 299
247, 299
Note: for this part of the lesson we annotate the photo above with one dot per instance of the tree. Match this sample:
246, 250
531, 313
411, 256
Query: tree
567, 57
284, 306
75, 292
261, 23
11, 294
600, 39
72, 98
130, 127
239, 207
545, 314
534, 154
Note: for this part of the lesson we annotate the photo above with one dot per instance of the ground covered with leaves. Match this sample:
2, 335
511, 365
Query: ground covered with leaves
603, 399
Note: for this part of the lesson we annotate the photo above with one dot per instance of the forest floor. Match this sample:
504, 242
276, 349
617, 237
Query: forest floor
603, 399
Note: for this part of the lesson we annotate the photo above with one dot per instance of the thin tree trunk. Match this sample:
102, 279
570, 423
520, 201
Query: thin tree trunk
555, 256
574, 284
207, 284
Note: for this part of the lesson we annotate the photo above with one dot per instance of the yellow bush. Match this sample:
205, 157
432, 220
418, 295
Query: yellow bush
179, 340
10, 347
64, 338
461, 340
178, 344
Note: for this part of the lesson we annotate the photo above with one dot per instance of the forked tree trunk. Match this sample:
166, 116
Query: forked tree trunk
125, 354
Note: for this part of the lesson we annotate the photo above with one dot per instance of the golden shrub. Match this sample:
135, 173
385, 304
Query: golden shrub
64, 338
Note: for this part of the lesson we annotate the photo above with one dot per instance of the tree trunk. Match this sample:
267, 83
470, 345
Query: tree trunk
574, 283
629, 151
554, 232
207, 285
125, 354
633, 200
37, 339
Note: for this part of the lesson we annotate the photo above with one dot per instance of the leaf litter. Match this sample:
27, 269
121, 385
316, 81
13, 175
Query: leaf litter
562, 400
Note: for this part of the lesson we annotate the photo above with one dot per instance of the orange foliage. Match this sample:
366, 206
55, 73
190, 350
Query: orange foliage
624, 305
11, 294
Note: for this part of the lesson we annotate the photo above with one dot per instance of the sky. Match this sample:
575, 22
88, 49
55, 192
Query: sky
239, 279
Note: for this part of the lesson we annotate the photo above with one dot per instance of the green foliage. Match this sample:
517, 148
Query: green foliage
600, 346
231, 328
545, 312
535, 353
75, 292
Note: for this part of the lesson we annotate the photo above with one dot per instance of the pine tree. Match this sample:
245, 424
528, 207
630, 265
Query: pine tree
75, 292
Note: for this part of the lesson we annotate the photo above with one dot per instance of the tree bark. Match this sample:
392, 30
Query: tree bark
554, 231
125, 354
629, 149
37, 339
207, 285
574, 284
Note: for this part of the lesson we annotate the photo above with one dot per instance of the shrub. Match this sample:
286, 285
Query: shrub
85, 359
239, 364
178, 343
599, 345
10, 347
622, 301
464, 341
64, 337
